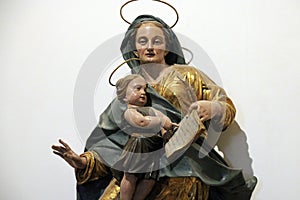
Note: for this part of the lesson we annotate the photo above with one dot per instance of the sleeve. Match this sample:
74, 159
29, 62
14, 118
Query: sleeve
94, 170
206, 89
213, 92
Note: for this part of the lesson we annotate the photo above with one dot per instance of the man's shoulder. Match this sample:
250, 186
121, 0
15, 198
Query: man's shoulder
182, 68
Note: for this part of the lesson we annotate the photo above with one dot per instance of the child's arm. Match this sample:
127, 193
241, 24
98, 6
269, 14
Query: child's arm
134, 118
167, 124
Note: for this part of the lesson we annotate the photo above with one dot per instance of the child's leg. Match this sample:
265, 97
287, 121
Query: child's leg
127, 186
143, 188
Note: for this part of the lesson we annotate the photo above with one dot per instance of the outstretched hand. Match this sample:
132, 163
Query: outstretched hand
69, 155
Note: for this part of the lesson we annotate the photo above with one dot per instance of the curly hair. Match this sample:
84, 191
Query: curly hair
122, 84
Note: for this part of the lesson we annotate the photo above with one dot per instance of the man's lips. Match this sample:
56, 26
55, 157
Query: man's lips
150, 54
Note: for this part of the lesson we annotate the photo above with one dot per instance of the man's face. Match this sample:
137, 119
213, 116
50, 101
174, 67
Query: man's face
150, 44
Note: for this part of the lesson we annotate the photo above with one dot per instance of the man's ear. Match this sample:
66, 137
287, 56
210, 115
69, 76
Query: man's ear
166, 53
125, 100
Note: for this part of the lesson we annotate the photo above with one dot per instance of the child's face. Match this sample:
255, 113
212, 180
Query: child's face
136, 92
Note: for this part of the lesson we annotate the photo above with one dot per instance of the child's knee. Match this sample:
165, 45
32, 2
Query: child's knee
130, 177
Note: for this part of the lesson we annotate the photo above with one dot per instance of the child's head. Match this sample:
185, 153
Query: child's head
132, 90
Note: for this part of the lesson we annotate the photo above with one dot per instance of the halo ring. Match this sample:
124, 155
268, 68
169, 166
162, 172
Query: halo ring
112, 73
128, 2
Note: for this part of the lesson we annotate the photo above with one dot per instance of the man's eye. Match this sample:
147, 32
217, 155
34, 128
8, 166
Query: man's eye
157, 41
142, 41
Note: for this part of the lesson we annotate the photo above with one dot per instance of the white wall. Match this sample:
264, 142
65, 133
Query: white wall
254, 44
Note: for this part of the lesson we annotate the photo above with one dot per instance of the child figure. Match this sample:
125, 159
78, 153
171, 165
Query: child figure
146, 126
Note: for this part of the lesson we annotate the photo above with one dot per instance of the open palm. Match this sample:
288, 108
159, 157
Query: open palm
69, 155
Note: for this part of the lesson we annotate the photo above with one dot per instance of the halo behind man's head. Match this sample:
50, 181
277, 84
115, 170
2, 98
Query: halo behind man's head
175, 55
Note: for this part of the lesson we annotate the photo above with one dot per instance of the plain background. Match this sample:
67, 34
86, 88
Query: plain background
254, 45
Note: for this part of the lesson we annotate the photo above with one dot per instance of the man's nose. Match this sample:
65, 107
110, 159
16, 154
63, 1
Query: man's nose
149, 45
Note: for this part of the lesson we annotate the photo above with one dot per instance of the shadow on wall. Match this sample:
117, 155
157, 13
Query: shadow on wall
233, 144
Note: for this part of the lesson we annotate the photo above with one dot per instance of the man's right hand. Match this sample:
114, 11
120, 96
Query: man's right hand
69, 155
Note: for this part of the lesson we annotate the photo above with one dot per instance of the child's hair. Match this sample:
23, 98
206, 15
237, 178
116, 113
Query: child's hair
122, 84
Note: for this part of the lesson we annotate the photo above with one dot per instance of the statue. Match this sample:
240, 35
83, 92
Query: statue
152, 50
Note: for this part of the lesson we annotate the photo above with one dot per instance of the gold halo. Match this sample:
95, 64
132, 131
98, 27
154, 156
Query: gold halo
112, 73
121, 10
130, 59
192, 54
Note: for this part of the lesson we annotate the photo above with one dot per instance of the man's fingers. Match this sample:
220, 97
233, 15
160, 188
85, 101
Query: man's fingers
58, 148
65, 144
54, 147
64, 155
193, 107
58, 153
204, 117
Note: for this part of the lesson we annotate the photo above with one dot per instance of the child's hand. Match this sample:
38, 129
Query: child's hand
167, 124
167, 134
175, 125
